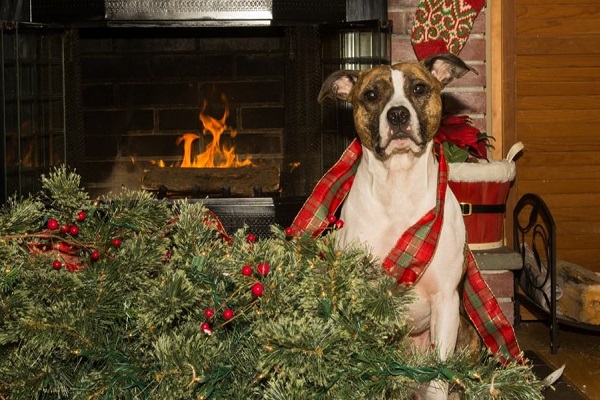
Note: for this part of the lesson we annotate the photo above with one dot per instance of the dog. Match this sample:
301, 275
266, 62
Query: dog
397, 110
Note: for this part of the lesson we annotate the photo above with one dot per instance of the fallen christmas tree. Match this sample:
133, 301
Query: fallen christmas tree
130, 297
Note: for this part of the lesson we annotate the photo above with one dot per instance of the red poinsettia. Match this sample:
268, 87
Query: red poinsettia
460, 140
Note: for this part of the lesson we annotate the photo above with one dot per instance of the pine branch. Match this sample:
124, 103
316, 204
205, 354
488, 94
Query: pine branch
131, 210
61, 188
20, 216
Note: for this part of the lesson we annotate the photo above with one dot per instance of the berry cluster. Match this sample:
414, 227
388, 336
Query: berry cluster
68, 252
257, 289
66, 229
209, 313
262, 269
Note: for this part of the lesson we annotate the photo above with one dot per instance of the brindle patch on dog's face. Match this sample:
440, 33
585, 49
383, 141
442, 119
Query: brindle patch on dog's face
397, 109
371, 92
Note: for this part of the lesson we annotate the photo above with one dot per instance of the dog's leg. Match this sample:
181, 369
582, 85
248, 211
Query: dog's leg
445, 321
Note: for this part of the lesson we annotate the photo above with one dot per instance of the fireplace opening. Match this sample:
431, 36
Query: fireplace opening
154, 100
141, 99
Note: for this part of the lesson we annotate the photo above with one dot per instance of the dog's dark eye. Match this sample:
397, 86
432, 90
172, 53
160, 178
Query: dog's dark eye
370, 95
419, 88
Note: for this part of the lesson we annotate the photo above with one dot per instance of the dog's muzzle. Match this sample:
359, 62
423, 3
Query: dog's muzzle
398, 117
401, 125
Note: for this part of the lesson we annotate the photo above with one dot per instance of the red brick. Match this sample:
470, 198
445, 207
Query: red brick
402, 50
508, 308
501, 283
401, 21
479, 23
474, 49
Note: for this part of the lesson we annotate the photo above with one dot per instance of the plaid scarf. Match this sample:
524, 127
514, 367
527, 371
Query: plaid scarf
414, 250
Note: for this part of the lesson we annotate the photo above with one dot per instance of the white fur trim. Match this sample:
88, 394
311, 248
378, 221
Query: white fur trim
486, 246
483, 171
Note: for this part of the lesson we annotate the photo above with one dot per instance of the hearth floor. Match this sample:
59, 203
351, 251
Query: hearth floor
579, 350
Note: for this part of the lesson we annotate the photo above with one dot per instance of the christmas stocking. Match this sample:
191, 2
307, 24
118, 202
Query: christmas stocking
443, 26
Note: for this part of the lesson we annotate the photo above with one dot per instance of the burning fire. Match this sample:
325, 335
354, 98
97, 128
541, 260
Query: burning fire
215, 155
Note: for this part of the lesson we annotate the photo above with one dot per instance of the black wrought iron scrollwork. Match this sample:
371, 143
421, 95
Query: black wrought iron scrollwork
538, 237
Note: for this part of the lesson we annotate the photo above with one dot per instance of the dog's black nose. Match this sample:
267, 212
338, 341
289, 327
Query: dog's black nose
398, 116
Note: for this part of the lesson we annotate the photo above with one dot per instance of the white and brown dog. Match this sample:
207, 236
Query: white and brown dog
397, 110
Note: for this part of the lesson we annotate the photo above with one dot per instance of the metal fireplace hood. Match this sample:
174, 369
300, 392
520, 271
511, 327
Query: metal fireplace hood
210, 13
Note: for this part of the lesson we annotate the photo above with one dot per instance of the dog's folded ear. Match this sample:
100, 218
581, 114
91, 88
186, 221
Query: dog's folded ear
338, 85
446, 67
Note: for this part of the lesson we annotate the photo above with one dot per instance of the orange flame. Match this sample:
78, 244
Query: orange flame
214, 155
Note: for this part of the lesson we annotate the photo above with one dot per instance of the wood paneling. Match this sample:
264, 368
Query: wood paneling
560, 44
501, 79
557, 114
549, 89
549, 12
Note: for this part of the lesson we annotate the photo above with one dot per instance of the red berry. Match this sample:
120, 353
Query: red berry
257, 289
56, 265
251, 238
205, 327
228, 314
331, 218
95, 256
116, 242
81, 216
52, 224
289, 231
74, 230
247, 270
209, 312
339, 224
263, 268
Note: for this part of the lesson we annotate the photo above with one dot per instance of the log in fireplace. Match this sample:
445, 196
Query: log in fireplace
142, 80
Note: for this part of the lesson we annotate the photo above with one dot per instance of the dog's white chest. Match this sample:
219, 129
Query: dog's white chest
383, 204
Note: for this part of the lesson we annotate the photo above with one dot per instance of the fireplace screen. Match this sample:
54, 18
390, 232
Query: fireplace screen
33, 121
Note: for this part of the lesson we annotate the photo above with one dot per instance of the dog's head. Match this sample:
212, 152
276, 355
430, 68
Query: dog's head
398, 108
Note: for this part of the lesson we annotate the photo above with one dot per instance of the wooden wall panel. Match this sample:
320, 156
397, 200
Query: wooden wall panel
557, 112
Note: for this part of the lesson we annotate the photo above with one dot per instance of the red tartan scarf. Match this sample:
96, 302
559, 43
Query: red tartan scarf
414, 250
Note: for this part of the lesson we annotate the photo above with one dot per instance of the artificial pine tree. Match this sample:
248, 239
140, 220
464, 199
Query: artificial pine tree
130, 297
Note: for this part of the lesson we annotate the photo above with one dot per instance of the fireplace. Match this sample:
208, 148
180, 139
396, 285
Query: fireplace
149, 94
140, 75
